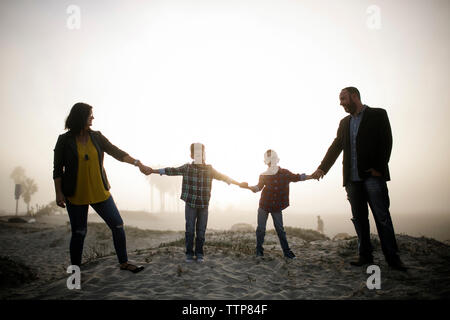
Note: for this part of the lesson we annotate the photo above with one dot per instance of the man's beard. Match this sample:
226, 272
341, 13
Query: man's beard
351, 107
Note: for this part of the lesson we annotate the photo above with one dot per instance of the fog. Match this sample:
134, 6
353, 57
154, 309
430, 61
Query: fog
238, 76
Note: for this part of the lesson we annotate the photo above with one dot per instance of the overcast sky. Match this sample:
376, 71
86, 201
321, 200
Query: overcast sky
238, 76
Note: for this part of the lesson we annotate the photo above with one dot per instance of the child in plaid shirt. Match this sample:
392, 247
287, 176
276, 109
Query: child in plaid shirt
196, 192
274, 184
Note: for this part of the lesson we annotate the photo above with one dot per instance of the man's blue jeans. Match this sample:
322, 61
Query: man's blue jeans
372, 191
78, 221
196, 221
277, 218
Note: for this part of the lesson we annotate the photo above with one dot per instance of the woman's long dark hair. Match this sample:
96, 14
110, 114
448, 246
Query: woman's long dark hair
78, 117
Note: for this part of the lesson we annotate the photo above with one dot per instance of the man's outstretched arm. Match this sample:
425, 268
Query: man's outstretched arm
332, 154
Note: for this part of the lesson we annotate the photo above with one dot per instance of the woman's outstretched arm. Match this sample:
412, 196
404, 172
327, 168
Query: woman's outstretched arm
144, 169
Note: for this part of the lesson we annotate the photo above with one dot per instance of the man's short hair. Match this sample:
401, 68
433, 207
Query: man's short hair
352, 90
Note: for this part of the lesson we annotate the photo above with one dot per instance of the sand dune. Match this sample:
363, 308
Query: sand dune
230, 270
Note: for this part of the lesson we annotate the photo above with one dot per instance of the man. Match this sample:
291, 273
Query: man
366, 138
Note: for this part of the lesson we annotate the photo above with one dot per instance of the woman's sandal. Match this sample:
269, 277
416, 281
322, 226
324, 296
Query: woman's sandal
132, 268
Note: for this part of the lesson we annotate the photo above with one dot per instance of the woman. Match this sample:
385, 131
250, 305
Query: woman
80, 181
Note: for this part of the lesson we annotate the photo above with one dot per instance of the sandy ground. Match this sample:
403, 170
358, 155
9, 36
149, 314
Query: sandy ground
38, 254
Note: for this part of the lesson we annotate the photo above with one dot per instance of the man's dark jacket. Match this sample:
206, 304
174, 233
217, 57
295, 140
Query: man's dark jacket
373, 145
65, 160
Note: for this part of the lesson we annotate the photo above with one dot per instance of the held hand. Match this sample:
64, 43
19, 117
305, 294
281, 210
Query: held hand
374, 172
243, 185
60, 200
145, 170
317, 174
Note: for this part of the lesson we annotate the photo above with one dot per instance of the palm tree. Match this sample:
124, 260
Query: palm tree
153, 181
165, 185
175, 189
152, 191
29, 188
18, 175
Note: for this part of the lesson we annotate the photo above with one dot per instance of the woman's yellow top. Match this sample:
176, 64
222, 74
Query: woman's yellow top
89, 188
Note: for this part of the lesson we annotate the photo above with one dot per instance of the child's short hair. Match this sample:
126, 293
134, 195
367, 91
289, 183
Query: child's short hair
271, 157
192, 148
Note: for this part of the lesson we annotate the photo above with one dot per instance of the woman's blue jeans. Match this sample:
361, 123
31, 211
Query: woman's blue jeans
107, 210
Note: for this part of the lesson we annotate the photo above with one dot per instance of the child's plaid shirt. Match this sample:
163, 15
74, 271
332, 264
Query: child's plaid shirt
275, 195
197, 181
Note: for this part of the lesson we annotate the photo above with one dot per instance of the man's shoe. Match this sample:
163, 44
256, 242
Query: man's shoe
200, 259
131, 267
189, 259
397, 264
290, 255
362, 260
